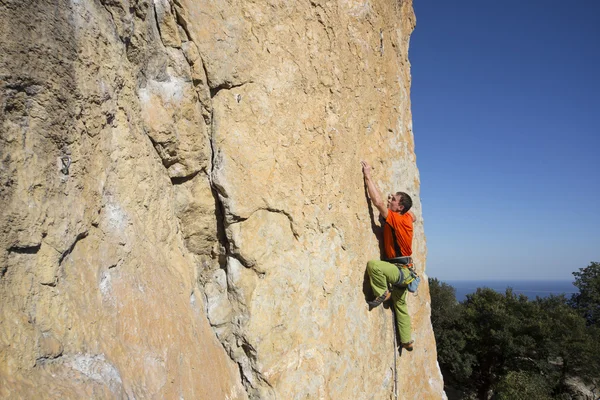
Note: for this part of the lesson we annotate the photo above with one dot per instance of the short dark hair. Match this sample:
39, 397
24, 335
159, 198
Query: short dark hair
405, 201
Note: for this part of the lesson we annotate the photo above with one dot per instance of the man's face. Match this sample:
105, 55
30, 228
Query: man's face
394, 203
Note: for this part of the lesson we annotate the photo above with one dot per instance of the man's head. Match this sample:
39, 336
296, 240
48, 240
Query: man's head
399, 202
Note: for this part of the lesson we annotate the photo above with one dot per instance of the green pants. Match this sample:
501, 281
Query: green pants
382, 274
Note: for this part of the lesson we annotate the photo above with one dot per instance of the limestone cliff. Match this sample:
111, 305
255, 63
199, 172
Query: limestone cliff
183, 211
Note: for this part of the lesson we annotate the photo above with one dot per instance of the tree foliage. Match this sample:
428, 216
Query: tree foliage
522, 385
587, 301
446, 315
508, 347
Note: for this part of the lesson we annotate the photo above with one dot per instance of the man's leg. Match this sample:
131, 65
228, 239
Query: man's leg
381, 274
402, 317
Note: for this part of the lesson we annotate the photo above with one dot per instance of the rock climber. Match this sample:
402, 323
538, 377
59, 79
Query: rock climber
397, 243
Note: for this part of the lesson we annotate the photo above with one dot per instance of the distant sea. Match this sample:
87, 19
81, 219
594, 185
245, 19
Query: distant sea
530, 288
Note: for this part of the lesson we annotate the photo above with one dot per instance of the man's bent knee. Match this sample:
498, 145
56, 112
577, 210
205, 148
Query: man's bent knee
371, 265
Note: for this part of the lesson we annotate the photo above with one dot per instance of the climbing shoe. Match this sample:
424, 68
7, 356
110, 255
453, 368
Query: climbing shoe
408, 346
385, 296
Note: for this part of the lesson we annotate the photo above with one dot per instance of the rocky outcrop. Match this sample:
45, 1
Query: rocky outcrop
183, 211
577, 389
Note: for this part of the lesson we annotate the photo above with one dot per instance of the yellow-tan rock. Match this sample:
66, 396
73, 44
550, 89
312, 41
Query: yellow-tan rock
183, 210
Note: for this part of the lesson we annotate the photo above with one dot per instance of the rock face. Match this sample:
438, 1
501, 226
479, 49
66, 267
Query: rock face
183, 211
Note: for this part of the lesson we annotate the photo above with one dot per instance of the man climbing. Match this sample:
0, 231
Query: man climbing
397, 243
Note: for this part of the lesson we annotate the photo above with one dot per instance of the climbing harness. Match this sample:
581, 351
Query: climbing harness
408, 278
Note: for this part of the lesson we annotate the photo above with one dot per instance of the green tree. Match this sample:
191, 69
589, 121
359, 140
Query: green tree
500, 336
587, 301
522, 385
445, 310
454, 358
566, 346
509, 347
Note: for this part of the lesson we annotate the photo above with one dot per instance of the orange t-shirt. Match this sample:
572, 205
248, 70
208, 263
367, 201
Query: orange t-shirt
402, 225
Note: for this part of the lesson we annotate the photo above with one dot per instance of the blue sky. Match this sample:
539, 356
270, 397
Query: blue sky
506, 116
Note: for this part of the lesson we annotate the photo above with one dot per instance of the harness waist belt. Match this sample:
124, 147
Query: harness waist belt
400, 260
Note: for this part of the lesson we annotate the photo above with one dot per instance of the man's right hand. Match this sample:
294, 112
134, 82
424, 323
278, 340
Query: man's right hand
366, 168
373, 191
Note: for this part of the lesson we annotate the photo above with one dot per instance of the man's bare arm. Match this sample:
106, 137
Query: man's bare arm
373, 191
412, 215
